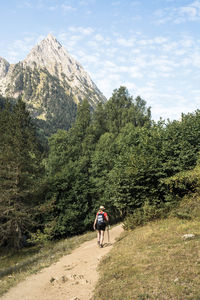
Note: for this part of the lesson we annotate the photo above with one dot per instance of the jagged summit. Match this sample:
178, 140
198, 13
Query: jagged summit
51, 55
49, 50
50, 37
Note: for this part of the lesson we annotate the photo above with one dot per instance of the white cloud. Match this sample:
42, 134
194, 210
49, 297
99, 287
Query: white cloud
123, 69
180, 52
109, 83
196, 59
25, 4
116, 3
112, 53
70, 42
126, 42
168, 105
122, 59
170, 46
160, 40
82, 30
98, 37
191, 12
187, 42
93, 44
53, 8
145, 42
177, 15
20, 46
67, 8
135, 3
86, 2
131, 87
82, 2
135, 72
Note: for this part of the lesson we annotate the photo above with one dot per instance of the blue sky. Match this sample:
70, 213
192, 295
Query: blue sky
150, 46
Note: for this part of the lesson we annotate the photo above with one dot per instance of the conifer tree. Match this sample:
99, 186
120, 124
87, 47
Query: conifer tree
19, 167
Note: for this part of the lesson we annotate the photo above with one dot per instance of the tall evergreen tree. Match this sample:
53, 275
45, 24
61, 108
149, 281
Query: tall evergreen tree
122, 109
19, 167
68, 168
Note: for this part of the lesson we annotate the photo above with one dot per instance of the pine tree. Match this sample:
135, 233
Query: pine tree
19, 165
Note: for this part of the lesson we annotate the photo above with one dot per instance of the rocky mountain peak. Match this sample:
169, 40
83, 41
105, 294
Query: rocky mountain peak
51, 38
48, 51
51, 55
51, 82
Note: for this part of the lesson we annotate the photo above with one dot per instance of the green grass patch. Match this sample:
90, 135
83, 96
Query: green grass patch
153, 262
15, 267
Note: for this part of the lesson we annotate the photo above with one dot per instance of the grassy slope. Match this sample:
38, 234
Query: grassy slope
153, 262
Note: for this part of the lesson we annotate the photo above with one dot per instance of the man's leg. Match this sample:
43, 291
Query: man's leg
98, 236
101, 237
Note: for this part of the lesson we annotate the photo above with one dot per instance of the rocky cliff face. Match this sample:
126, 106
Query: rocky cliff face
4, 67
50, 81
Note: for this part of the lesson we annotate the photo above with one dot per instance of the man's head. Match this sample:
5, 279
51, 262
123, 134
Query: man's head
102, 207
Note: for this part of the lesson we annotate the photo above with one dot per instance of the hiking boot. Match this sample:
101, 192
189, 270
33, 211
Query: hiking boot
101, 246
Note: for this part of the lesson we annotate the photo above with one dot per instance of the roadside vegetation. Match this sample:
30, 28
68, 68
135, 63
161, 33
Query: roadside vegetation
155, 261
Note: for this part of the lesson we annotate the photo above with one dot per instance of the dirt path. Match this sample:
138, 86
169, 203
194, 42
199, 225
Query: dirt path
73, 277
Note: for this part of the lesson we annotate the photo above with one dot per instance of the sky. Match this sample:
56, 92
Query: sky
150, 46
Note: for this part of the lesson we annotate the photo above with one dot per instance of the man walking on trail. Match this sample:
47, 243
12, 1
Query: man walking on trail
100, 224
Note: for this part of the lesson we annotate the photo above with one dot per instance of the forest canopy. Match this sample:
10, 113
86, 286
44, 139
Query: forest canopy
116, 156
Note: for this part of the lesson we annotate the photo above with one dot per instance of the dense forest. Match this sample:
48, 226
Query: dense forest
116, 156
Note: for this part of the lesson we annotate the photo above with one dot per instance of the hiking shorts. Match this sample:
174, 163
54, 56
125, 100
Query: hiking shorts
101, 227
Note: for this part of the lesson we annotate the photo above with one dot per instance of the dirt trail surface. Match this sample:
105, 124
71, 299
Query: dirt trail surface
73, 277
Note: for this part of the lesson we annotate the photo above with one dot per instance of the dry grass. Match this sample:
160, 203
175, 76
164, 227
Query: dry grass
15, 267
153, 262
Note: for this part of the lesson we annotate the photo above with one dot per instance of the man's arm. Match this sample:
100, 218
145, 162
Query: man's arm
95, 221
106, 217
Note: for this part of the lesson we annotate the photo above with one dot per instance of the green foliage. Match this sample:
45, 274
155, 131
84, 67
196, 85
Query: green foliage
68, 169
138, 168
19, 169
188, 208
39, 237
184, 188
122, 109
149, 156
81, 161
120, 158
115, 156
181, 143
147, 213
184, 182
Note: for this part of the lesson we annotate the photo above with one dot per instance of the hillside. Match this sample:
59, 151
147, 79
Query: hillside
156, 262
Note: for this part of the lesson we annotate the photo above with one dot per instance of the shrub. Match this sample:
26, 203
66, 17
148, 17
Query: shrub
145, 214
148, 212
188, 208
